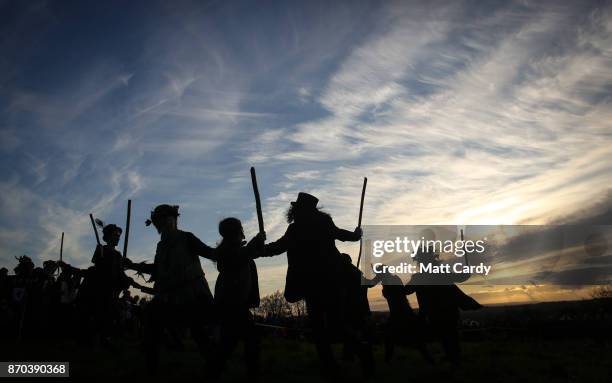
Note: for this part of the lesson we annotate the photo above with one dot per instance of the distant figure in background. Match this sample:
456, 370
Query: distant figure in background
237, 291
23, 270
49, 308
181, 293
78, 292
69, 283
440, 300
80, 299
314, 266
21, 289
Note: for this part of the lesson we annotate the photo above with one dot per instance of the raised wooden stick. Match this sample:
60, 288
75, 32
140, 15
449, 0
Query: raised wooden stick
127, 228
62, 248
365, 183
257, 201
93, 223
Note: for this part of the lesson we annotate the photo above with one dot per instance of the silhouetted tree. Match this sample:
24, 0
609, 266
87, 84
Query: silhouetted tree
274, 306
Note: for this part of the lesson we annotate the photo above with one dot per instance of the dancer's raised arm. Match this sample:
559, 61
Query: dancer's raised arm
277, 247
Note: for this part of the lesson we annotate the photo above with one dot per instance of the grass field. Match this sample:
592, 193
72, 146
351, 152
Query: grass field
285, 360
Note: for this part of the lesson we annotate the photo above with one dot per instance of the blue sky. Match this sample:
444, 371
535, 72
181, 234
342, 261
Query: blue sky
458, 112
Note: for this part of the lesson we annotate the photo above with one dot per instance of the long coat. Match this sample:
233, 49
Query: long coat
237, 286
314, 262
177, 272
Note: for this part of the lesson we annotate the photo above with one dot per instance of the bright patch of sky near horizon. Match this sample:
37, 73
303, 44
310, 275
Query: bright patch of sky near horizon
458, 112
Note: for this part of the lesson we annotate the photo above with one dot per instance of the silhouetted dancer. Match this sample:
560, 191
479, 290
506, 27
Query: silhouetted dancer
359, 329
181, 293
440, 300
314, 264
403, 327
236, 292
109, 280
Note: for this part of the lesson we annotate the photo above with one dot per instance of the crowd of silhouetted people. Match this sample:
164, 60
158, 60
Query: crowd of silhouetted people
53, 302
95, 305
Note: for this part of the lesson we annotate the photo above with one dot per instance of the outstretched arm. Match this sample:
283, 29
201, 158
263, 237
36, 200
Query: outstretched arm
255, 247
71, 269
371, 282
200, 248
144, 268
144, 289
277, 247
345, 235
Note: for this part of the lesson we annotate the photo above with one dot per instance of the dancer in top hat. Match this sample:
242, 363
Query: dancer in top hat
314, 267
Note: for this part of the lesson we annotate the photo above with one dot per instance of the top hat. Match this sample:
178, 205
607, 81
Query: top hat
305, 200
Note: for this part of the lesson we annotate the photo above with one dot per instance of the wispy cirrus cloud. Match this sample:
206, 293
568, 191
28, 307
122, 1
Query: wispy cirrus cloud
501, 120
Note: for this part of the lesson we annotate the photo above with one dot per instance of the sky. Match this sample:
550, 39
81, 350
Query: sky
458, 112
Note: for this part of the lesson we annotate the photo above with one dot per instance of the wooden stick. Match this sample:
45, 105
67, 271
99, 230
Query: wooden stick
127, 228
365, 183
257, 201
62, 248
93, 223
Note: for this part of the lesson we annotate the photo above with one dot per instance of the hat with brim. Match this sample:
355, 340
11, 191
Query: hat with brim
162, 211
111, 228
305, 200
